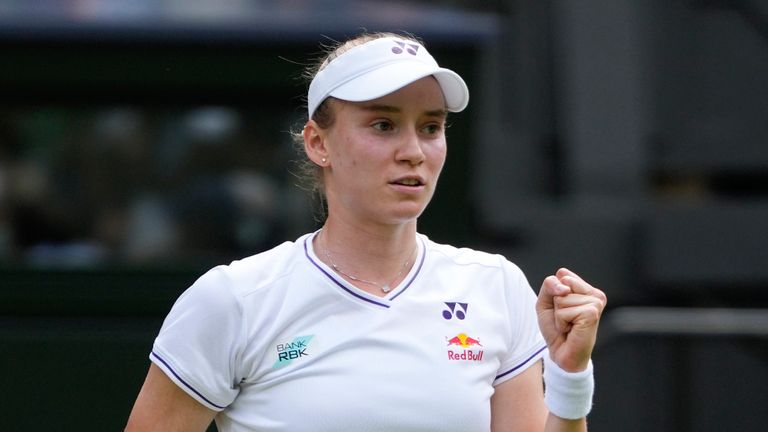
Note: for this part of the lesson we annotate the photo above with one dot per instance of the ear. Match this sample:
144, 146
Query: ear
315, 143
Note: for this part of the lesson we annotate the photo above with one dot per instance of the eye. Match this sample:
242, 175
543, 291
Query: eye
382, 126
432, 128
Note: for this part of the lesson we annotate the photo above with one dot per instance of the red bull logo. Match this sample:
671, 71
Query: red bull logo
464, 341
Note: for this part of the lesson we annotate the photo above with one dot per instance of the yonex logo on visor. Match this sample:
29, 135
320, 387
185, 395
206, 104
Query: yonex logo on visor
411, 48
380, 67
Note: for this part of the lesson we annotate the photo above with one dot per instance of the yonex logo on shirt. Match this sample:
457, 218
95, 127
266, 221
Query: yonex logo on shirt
290, 351
455, 309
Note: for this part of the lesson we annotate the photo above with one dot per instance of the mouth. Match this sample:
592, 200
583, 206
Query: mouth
409, 181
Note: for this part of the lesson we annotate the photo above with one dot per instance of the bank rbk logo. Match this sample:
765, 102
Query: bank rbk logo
409, 48
289, 351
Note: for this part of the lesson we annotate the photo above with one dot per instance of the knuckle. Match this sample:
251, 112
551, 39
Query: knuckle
600, 296
594, 312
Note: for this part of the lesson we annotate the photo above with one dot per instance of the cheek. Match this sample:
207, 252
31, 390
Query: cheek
342, 151
366, 154
436, 155
349, 143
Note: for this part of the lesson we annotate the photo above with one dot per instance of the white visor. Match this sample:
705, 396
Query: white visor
380, 67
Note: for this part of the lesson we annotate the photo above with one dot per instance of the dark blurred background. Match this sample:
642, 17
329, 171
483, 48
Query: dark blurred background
144, 141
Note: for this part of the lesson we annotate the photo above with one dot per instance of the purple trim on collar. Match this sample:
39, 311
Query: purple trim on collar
341, 285
416, 273
306, 252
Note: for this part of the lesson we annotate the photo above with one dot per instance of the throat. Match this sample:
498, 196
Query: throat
379, 283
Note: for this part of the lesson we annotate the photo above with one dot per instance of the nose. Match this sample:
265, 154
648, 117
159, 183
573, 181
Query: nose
410, 150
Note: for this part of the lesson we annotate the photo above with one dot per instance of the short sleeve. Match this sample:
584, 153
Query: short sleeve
201, 340
525, 345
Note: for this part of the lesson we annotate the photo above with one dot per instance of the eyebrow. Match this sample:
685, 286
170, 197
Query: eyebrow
393, 109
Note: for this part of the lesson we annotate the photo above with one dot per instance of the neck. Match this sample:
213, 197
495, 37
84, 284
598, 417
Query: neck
370, 241
367, 254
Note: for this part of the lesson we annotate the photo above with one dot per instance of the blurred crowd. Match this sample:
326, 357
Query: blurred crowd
117, 185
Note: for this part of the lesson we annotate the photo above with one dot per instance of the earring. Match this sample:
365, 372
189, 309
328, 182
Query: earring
324, 160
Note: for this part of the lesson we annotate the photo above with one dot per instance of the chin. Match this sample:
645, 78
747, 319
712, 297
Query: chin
405, 215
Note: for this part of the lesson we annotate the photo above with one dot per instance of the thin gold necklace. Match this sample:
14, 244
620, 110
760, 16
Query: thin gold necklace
386, 288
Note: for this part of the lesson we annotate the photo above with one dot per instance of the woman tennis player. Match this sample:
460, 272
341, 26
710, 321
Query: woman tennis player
367, 324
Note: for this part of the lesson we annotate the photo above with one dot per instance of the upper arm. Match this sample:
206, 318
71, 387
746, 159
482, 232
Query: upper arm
518, 404
163, 406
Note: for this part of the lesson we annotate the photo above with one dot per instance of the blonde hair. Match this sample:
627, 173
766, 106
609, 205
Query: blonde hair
310, 174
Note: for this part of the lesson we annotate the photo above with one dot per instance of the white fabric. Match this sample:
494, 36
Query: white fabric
380, 67
423, 358
568, 395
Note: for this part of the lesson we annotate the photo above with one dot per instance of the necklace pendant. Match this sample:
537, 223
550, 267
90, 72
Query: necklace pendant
386, 288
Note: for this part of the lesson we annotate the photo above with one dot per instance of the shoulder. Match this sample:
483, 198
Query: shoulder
479, 267
244, 276
259, 270
465, 256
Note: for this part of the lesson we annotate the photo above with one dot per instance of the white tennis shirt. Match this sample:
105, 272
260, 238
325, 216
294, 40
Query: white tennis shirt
279, 342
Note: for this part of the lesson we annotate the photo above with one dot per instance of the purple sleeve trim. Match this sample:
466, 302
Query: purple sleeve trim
184, 382
523, 363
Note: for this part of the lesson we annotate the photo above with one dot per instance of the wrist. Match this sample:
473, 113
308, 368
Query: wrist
568, 395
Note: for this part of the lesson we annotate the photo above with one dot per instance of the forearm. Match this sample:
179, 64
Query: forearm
557, 424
